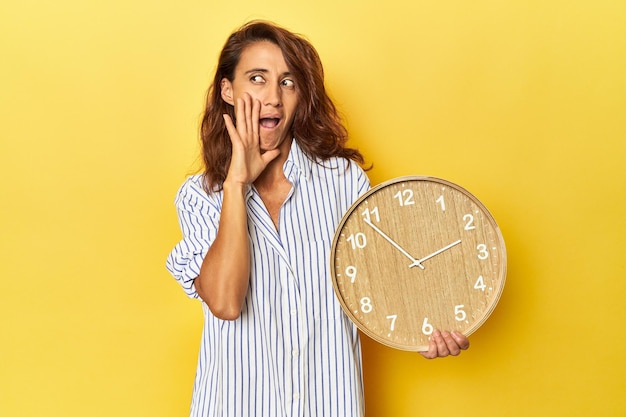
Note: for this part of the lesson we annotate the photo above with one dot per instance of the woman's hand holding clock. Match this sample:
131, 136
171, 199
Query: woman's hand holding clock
444, 343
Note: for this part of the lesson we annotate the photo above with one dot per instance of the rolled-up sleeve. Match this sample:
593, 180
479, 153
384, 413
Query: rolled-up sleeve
198, 216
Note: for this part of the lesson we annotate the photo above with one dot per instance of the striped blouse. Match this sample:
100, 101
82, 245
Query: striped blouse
292, 352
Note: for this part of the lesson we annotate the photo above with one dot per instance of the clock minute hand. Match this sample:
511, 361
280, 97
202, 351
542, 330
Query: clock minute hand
414, 261
438, 252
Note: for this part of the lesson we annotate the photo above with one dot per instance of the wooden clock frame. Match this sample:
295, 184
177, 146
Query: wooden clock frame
415, 254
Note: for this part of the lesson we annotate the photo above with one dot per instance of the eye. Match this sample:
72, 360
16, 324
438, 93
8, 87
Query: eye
257, 79
288, 83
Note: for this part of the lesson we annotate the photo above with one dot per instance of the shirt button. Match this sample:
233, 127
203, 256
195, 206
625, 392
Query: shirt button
295, 352
294, 312
296, 396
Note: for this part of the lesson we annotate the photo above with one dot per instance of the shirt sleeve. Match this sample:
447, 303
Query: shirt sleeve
363, 181
198, 216
357, 182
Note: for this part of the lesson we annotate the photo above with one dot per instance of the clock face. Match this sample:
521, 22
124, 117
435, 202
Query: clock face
416, 254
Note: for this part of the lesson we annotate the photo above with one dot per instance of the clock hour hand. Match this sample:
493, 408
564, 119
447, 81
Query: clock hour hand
414, 261
437, 252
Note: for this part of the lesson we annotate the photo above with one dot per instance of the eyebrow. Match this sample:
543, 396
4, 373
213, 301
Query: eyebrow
256, 70
265, 71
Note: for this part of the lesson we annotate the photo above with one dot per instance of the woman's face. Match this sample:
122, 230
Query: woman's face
263, 74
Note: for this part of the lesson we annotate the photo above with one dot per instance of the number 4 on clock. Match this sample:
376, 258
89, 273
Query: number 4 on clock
480, 284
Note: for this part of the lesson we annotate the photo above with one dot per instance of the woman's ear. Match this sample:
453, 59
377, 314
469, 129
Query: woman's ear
227, 91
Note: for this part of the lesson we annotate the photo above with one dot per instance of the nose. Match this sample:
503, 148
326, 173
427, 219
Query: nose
273, 96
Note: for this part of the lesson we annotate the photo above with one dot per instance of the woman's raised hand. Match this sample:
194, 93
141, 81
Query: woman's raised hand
247, 161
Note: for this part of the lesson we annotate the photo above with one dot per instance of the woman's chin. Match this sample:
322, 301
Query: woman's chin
271, 144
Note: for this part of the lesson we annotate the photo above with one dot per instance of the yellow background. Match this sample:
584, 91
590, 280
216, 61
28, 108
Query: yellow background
521, 102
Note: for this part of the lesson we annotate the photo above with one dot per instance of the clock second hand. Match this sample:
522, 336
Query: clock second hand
388, 239
419, 262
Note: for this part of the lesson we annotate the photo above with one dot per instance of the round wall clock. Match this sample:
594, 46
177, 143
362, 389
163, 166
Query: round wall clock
415, 254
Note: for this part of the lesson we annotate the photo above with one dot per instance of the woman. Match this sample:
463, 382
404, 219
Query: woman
257, 229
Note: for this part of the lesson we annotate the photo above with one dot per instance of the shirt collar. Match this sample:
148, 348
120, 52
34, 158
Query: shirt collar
297, 163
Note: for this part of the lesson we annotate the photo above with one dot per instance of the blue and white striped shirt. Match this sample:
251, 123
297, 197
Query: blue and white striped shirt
292, 352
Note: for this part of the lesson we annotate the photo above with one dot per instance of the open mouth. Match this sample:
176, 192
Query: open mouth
269, 122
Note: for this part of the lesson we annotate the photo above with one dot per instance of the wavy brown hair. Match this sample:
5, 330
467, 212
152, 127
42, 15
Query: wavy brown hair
317, 125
